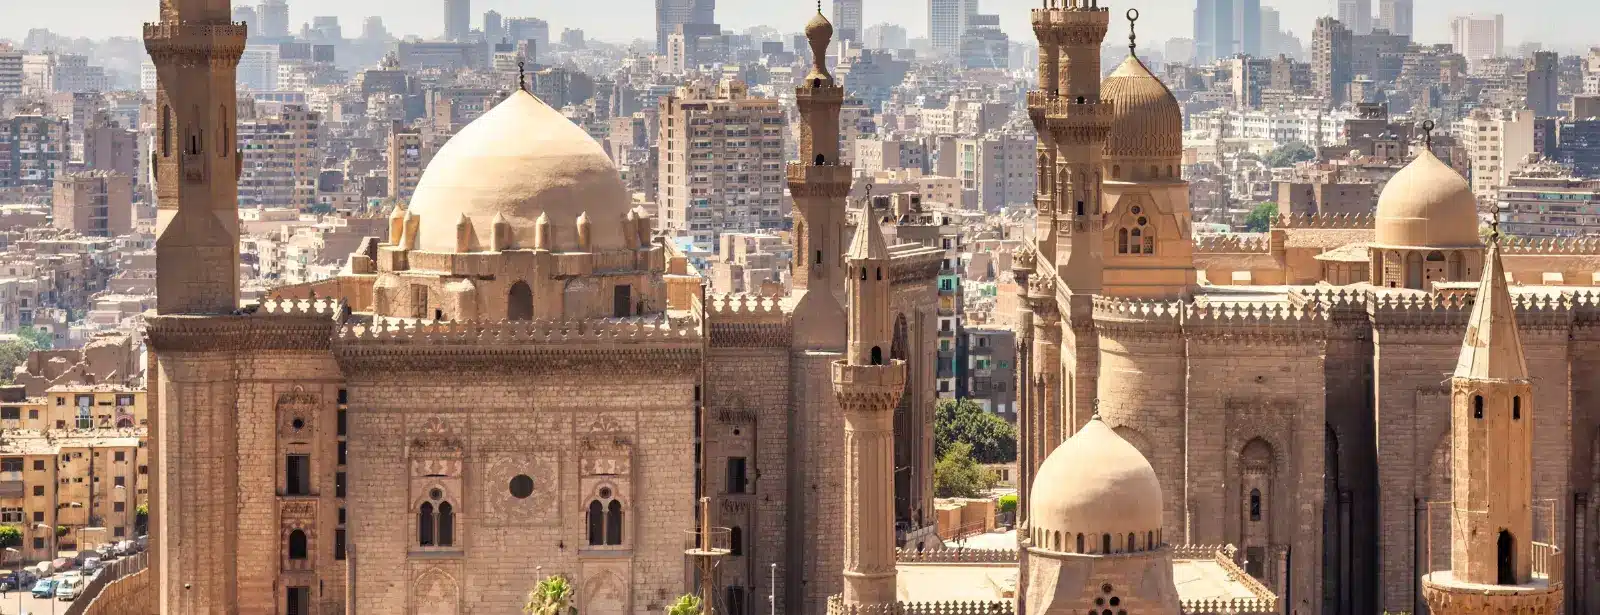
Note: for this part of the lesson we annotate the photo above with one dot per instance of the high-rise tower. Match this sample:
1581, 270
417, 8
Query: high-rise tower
457, 20
821, 180
196, 49
868, 385
1495, 567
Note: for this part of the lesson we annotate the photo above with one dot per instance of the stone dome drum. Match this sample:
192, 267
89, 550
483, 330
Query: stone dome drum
519, 160
1427, 205
1096, 483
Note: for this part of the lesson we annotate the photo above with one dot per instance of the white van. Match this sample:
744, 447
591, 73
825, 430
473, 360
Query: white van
70, 586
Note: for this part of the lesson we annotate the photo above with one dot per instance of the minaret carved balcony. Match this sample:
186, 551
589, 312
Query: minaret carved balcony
825, 180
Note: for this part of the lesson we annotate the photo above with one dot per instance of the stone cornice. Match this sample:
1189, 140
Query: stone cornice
168, 334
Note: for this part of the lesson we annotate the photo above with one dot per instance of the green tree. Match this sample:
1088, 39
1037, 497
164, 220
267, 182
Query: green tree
10, 536
61, 531
1008, 503
15, 352
141, 519
1288, 154
687, 604
552, 596
958, 475
991, 438
1261, 218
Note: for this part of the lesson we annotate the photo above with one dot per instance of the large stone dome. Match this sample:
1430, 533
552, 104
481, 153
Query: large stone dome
1096, 483
1146, 120
519, 160
1427, 205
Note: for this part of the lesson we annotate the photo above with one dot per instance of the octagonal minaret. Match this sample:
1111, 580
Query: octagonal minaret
1495, 566
868, 385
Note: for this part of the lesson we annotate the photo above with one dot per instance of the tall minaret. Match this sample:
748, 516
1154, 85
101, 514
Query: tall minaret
1073, 119
1495, 567
196, 50
868, 385
820, 181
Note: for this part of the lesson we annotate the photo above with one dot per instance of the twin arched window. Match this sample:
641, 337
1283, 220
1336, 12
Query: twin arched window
436, 521
1138, 238
605, 521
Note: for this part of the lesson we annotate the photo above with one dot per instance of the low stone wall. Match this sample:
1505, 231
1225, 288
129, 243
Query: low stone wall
125, 588
837, 606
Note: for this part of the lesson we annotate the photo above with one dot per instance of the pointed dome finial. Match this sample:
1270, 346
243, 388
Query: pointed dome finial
819, 31
1096, 406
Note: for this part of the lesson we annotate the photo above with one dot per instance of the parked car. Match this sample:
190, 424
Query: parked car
45, 588
63, 563
125, 547
17, 580
70, 586
91, 564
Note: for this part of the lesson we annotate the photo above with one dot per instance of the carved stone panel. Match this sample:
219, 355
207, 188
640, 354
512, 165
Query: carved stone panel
522, 489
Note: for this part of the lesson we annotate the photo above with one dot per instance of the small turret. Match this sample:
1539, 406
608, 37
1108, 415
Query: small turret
397, 224
869, 292
584, 232
463, 234
541, 232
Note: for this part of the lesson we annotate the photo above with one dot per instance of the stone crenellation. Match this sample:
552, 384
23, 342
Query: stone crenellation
837, 606
744, 309
1544, 246
1326, 221
956, 556
622, 331
1232, 244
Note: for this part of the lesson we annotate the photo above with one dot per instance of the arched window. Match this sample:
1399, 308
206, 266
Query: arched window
877, 355
1116, 171
297, 545
1080, 544
880, 274
1255, 504
1058, 541
736, 541
1149, 540
447, 525
863, 274
1154, 171
1105, 543
1136, 241
1080, 208
1122, 241
1477, 406
1516, 408
519, 303
597, 521
614, 523
222, 135
1132, 546
425, 521
819, 160
1506, 562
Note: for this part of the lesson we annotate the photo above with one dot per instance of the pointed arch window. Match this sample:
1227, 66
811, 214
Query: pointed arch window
736, 541
297, 545
1477, 406
1255, 504
425, 521
1105, 543
1137, 238
1080, 544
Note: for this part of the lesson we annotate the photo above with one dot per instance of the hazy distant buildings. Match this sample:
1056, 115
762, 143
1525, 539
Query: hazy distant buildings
281, 157
1247, 27
1395, 16
457, 20
1543, 84
1331, 57
273, 17
530, 29
247, 16
847, 20
886, 36
1214, 37
258, 68
33, 150
670, 14
1355, 15
407, 158
1477, 38
1497, 143
984, 45
946, 23
494, 27
10, 71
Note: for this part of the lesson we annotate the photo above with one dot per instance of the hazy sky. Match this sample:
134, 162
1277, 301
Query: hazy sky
1554, 22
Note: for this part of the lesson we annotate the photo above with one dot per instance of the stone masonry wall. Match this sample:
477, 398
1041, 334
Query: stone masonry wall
739, 381
537, 422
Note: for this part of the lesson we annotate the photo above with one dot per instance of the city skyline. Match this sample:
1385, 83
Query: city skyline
1159, 20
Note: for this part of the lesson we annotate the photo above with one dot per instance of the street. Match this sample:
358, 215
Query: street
9, 603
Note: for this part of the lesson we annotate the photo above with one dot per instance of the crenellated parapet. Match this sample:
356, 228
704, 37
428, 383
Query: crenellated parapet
559, 333
1232, 244
1364, 221
1140, 318
1251, 322
838, 606
1550, 246
287, 324
869, 388
743, 308
946, 555
1232, 606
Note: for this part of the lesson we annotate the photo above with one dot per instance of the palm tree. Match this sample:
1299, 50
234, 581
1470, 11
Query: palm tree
552, 596
687, 604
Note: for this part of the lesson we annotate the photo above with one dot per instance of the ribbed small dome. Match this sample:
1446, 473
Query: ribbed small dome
1427, 205
1146, 120
819, 27
1096, 483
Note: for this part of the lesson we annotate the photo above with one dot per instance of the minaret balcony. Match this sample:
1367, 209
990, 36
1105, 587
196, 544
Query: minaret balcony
868, 382
820, 179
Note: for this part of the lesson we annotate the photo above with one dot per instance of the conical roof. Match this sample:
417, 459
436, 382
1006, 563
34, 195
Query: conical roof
1492, 349
868, 242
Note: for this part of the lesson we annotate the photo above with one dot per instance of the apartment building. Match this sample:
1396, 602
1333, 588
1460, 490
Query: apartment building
721, 163
998, 167
10, 71
94, 203
894, 152
408, 155
282, 156
34, 149
1497, 143
1545, 200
